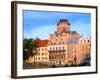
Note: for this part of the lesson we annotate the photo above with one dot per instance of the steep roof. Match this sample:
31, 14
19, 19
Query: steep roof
73, 32
42, 43
63, 20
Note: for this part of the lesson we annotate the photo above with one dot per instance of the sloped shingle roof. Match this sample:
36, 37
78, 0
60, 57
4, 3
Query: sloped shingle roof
42, 43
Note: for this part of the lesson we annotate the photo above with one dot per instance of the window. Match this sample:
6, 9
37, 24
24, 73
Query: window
36, 58
62, 42
39, 49
42, 53
42, 49
49, 57
45, 58
45, 48
39, 58
54, 43
60, 48
56, 48
63, 48
75, 51
50, 48
84, 41
53, 48
62, 56
73, 40
88, 41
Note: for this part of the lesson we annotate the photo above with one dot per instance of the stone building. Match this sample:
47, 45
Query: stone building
64, 46
42, 52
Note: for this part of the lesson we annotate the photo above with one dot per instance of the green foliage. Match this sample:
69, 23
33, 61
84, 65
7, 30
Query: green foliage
29, 48
66, 65
53, 66
86, 61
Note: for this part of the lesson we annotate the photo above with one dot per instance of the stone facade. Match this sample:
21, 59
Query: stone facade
65, 46
42, 52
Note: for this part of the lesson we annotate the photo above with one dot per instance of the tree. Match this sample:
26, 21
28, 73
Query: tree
29, 48
86, 61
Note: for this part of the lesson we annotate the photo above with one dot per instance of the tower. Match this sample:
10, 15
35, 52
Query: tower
63, 24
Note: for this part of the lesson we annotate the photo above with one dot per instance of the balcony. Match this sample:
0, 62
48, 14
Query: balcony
50, 51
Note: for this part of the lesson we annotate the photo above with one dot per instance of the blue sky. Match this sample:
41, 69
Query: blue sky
42, 23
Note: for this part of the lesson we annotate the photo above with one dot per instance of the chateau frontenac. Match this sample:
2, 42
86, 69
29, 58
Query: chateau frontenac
62, 47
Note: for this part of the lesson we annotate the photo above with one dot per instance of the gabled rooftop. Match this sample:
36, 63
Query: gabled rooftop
42, 43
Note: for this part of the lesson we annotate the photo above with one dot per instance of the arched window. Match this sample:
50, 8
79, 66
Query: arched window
63, 47
50, 48
84, 41
36, 58
56, 39
42, 49
39, 49
59, 48
62, 42
54, 43
45, 48
39, 58
53, 48
56, 48
88, 41
51, 43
